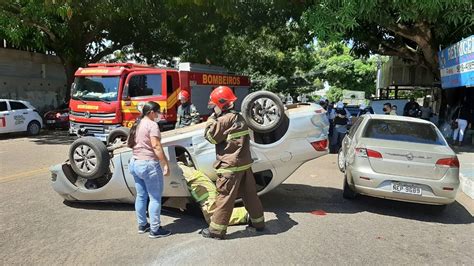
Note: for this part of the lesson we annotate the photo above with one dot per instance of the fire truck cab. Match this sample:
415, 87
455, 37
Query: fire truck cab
106, 96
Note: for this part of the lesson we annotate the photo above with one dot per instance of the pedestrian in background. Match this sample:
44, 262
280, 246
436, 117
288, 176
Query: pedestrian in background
426, 112
342, 118
148, 166
460, 119
411, 108
387, 109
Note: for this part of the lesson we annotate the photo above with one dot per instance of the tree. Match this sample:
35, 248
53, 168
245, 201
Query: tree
78, 32
216, 32
344, 71
410, 29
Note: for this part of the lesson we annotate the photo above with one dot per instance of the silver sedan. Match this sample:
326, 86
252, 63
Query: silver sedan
399, 158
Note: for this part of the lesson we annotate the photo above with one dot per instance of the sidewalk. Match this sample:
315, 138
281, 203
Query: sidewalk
466, 174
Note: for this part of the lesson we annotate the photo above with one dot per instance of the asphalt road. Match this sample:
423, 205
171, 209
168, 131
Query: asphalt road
37, 227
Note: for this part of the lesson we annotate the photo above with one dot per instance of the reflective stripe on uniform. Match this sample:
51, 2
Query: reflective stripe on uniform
199, 198
257, 220
210, 138
231, 170
218, 227
237, 134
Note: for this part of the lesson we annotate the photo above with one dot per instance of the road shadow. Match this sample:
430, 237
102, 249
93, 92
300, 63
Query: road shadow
46, 137
102, 206
299, 198
281, 224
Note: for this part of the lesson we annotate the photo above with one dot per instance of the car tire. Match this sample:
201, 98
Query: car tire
34, 128
89, 157
341, 163
117, 134
347, 192
263, 111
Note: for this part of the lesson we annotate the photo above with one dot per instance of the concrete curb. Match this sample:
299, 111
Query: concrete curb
467, 185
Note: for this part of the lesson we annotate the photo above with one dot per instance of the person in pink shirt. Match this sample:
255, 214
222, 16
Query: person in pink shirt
148, 166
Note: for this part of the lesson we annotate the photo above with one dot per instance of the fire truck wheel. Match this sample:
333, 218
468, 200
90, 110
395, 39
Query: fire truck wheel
118, 134
89, 157
263, 111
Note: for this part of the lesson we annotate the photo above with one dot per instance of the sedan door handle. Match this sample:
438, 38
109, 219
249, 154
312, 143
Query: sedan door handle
25, 113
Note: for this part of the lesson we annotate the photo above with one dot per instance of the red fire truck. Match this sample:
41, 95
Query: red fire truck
105, 96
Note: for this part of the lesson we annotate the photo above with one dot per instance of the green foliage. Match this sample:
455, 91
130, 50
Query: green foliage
344, 71
334, 94
410, 29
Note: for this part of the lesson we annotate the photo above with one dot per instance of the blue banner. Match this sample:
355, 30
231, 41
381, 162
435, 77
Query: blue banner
456, 64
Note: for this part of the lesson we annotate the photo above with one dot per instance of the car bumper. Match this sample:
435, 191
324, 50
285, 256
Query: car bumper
380, 185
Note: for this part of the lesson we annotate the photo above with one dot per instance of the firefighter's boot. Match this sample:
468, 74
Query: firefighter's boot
207, 234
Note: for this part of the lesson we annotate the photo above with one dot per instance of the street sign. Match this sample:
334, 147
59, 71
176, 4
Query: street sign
456, 64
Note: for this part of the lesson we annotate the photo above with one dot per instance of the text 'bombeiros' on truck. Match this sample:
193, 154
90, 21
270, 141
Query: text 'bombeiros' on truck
105, 96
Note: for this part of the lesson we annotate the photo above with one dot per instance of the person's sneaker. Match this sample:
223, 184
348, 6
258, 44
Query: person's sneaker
207, 234
159, 233
143, 228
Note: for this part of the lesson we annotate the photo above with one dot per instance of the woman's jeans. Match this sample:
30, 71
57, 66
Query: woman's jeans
462, 124
148, 183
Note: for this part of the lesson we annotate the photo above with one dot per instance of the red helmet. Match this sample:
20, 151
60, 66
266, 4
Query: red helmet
222, 97
183, 95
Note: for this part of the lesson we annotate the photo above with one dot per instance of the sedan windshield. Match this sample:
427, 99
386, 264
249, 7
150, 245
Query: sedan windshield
95, 88
403, 131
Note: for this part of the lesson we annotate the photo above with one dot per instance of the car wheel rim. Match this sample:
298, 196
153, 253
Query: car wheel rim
85, 158
34, 129
341, 160
265, 112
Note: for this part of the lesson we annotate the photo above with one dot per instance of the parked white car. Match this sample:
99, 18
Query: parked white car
281, 141
400, 158
19, 116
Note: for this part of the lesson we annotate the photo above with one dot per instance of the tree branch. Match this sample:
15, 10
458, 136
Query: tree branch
48, 32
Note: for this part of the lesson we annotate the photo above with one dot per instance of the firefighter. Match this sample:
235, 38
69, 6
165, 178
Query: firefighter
204, 192
187, 113
227, 129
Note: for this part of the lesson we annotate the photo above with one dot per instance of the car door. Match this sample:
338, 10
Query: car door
6, 119
349, 140
21, 115
174, 185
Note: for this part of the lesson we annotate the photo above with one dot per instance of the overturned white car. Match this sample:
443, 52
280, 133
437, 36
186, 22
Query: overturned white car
281, 141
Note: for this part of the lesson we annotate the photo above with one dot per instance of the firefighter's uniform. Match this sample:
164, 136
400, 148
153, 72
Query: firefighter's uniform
204, 192
187, 115
230, 134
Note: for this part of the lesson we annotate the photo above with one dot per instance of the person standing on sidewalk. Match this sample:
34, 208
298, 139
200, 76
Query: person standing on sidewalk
148, 166
227, 129
461, 117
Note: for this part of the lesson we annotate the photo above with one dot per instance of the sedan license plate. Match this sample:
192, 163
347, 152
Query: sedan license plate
51, 121
406, 188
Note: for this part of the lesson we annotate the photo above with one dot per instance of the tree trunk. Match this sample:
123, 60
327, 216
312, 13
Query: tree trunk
70, 67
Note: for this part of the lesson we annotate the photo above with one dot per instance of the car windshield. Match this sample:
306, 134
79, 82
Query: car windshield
407, 131
95, 88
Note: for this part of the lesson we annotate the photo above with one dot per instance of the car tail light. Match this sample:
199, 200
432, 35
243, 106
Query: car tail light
452, 162
320, 145
58, 115
368, 153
